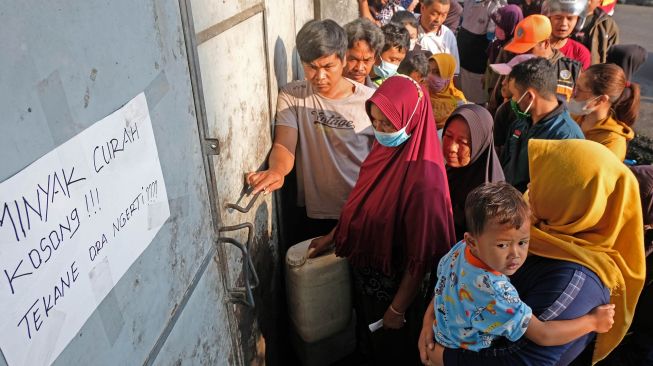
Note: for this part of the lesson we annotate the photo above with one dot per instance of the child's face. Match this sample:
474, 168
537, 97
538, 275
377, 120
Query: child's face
393, 55
501, 247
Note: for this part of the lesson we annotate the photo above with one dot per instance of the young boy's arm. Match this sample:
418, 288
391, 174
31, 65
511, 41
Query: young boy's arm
559, 332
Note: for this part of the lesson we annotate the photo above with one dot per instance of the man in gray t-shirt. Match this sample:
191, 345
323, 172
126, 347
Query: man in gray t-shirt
321, 122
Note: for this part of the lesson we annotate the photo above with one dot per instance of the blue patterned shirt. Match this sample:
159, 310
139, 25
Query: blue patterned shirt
474, 304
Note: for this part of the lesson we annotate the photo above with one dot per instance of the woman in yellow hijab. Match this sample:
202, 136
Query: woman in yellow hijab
444, 95
586, 209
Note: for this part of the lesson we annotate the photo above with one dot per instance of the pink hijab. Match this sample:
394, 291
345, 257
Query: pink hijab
398, 216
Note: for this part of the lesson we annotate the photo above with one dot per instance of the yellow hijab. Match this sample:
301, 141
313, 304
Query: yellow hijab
445, 101
586, 209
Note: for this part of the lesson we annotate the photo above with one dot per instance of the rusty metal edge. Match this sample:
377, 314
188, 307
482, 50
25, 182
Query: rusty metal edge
229, 23
202, 124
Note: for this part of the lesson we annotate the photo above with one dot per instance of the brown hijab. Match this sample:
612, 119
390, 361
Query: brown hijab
484, 165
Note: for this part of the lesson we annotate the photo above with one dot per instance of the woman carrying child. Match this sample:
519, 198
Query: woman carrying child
586, 249
474, 301
396, 223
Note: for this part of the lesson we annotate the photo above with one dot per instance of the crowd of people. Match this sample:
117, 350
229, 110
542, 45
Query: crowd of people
468, 161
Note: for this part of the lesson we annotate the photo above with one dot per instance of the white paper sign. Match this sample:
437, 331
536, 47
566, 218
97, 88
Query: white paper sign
71, 224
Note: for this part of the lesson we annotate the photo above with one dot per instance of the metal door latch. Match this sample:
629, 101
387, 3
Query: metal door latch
242, 295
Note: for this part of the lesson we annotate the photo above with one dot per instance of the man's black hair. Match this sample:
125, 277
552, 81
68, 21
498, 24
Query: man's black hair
537, 73
319, 38
363, 29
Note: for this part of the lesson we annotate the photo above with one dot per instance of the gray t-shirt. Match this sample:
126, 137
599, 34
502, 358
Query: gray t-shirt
334, 137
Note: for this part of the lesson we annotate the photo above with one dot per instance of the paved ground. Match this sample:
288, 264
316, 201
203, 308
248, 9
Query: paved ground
636, 26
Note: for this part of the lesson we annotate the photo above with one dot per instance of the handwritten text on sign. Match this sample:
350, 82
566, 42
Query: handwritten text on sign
71, 224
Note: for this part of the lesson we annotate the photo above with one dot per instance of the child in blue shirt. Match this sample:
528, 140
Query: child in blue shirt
474, 300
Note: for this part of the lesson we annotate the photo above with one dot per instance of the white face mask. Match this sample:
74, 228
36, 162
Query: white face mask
580, 108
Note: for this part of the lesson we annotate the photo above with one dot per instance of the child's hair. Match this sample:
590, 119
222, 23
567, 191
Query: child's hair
610, 80
404, 18
395, 36
415, 61
495, 201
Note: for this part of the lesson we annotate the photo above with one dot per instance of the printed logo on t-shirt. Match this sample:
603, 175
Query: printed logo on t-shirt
331, 120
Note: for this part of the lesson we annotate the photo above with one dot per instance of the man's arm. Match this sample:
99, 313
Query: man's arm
280, 162
612, 39
364, 11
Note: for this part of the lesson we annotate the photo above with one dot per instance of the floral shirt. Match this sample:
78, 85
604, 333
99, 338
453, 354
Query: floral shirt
475, 304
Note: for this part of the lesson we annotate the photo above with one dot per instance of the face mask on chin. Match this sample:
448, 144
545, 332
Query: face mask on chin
515, 106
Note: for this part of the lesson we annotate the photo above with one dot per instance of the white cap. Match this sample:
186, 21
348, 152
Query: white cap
505, 69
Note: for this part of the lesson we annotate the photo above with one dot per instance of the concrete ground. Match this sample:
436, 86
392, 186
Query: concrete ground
636, 27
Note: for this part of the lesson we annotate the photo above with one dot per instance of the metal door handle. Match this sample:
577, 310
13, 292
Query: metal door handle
242, 295
237, 207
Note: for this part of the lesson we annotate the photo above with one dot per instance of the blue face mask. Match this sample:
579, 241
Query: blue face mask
385, 70
392, 139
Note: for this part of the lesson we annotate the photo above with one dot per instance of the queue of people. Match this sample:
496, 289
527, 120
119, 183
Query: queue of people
473, 175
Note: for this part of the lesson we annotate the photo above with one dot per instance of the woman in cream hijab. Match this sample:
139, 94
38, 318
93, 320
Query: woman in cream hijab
586, 210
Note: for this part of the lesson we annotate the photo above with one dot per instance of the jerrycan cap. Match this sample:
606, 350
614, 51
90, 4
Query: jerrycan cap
298, 254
